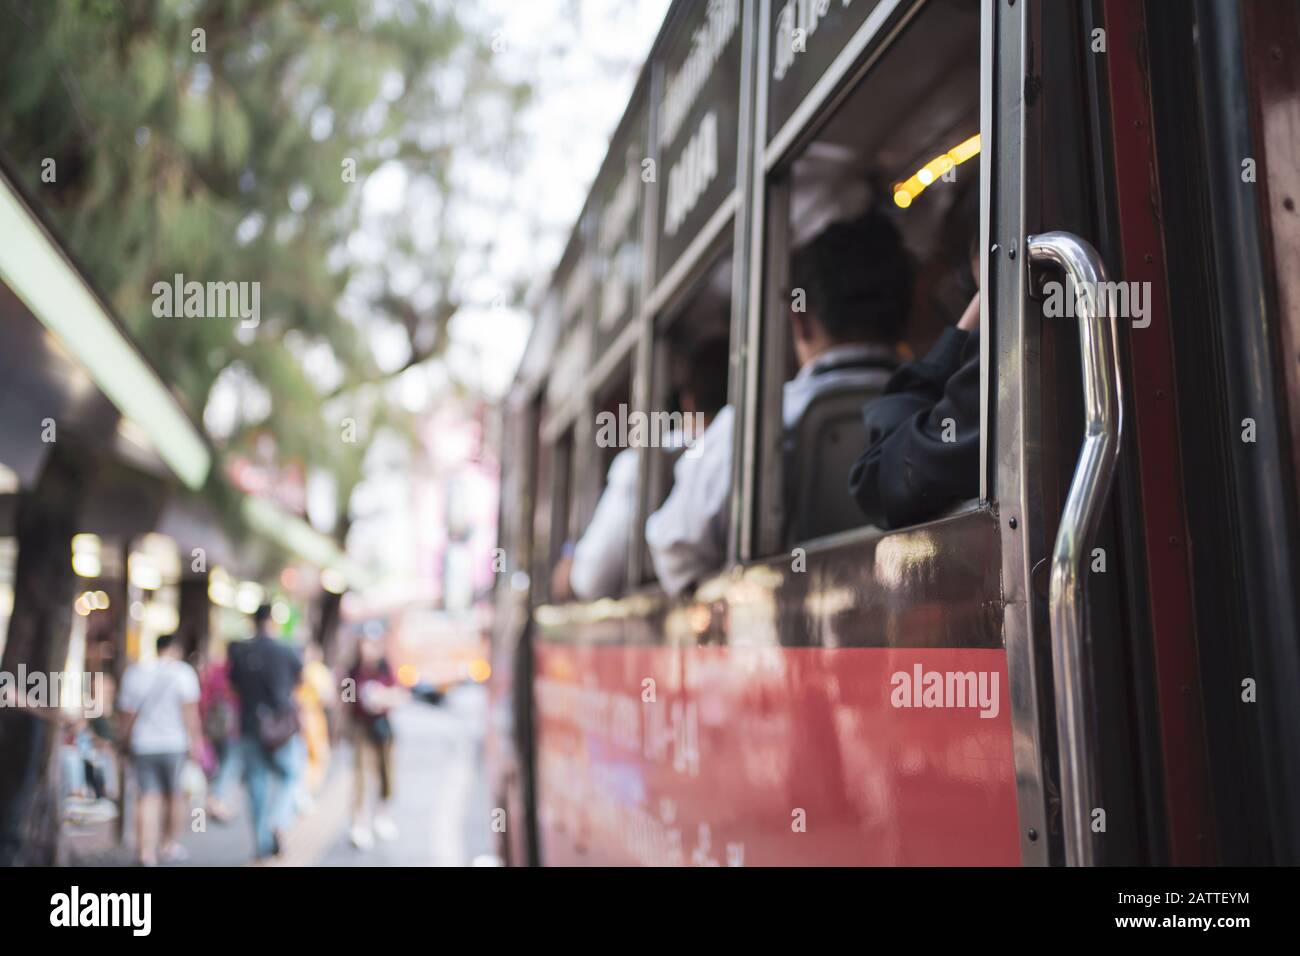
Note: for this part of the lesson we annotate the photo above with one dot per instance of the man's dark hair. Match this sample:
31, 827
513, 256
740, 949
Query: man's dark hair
164, 641
706, 375
857, 279
262, 614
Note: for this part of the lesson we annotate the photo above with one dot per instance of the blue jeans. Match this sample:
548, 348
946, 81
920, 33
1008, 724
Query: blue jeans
227, 772
270, 792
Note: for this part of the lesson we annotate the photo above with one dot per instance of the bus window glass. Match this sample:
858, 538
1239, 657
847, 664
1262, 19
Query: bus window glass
597, 566
872, 258
554, 508
688, 395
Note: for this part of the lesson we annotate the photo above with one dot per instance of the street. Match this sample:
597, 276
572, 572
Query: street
440, 803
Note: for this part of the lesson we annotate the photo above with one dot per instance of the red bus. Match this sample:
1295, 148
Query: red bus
1093, 660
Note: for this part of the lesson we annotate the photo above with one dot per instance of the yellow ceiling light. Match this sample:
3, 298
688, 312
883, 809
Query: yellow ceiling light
907, 191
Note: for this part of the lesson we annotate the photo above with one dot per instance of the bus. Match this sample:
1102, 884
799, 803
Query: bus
1108, 624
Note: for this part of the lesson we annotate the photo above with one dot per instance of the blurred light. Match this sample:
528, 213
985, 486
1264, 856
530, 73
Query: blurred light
86, 544
279, 612
137, 611
101, 600
143, 573
86, 565
289, 578
479, 670
161, 618
408, 675
333, 581
221, 591
906, 191
519, 580
82, 606
248, 598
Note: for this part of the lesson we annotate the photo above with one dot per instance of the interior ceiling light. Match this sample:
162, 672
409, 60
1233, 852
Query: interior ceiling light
905, 193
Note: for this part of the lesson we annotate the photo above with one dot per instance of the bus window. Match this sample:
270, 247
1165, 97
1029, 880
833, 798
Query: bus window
688, 391
554, 508
872, 254
598, 563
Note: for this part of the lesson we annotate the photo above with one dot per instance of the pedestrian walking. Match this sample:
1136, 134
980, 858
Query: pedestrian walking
219, 711
265, 673
373, 693
158, 708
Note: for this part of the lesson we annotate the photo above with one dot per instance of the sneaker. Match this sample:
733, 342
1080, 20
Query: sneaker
385, 828
361, 837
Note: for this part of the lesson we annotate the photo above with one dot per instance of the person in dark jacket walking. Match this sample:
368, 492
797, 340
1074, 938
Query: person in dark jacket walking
265, 674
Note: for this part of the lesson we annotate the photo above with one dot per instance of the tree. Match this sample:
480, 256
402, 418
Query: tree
231, 141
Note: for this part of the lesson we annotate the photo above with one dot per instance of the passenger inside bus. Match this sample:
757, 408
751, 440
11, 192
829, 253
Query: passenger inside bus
596, 566
851, 294
923, 434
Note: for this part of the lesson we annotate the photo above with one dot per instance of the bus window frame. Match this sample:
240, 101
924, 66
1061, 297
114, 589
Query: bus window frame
760, 477
620, 358
652, 486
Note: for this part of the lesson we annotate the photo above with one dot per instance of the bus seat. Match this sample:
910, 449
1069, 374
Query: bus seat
820, 451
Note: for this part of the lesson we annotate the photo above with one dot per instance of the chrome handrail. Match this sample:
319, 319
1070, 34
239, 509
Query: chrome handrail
1093, 474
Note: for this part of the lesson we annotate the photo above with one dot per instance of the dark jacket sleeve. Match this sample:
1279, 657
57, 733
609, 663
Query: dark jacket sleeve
922, 436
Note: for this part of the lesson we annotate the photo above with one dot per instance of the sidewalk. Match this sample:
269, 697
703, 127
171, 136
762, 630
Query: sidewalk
230, 843
440, 804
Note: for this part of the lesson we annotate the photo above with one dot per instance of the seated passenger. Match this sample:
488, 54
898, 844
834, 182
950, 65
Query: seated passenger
598, 565
856, 280
923, 434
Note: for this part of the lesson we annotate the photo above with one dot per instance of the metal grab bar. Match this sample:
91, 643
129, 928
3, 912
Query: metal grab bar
1089, 489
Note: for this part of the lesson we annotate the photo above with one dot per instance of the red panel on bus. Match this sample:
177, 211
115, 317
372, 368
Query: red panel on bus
774, 756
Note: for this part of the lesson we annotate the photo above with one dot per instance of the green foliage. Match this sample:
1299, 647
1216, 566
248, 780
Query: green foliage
226, 165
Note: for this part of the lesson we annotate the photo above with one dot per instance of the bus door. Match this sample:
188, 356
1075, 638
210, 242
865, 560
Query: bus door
1086, 458
882, 647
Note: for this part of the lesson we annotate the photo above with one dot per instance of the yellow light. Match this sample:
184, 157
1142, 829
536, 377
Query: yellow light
333, 581
85, 564
221, 592
907, 191
964, 151
407, 675
101, 600
479, 670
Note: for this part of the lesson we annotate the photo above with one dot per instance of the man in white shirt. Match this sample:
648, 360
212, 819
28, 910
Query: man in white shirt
598, 566
856, 284
159, 704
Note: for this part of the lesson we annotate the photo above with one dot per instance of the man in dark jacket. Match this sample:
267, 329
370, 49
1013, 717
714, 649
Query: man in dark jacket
923, 433
265, 673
